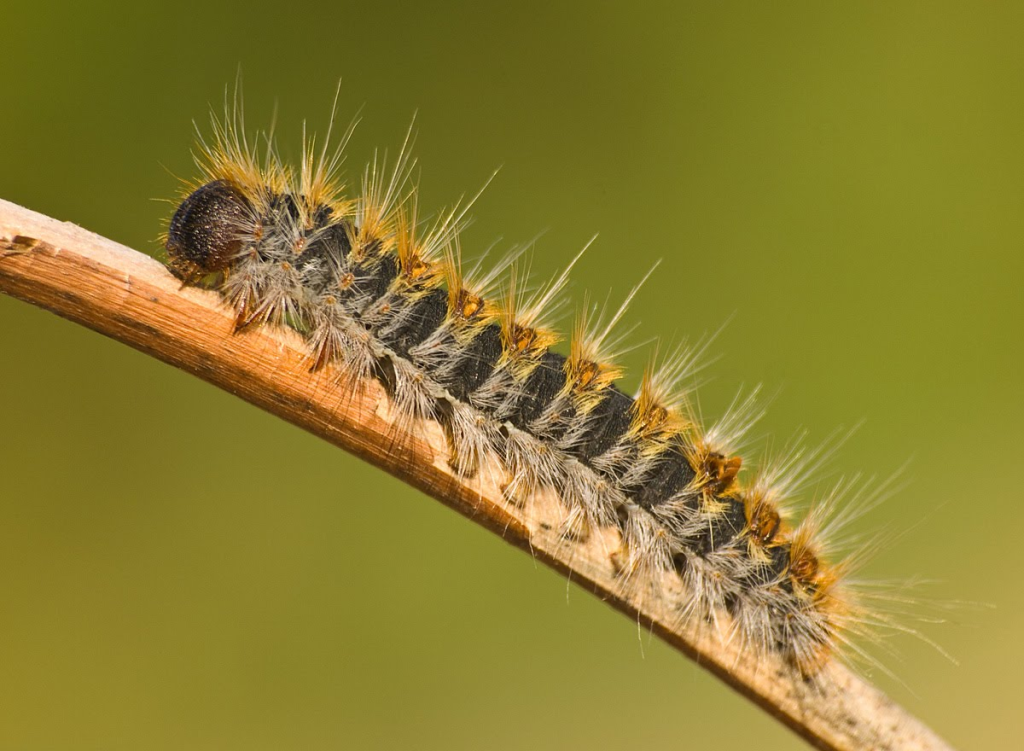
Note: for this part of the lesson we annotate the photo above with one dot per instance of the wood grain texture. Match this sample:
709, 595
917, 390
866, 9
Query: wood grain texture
132, 298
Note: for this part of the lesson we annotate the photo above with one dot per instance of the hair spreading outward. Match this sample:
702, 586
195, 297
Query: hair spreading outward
379, 293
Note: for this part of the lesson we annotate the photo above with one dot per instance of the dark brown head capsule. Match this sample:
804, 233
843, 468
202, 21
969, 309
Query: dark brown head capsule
206, 231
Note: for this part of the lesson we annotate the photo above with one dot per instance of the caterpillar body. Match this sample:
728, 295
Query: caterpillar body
378, 294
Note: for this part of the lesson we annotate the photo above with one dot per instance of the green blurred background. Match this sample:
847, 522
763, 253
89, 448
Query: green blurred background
180, 570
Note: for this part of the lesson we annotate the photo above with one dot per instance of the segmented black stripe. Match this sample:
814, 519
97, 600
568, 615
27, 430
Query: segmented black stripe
420, 319
475, 363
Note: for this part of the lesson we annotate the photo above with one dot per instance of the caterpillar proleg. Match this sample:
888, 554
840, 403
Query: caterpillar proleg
378, 293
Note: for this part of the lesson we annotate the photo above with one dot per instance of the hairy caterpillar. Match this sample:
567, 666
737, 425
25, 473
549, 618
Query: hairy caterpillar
379, 294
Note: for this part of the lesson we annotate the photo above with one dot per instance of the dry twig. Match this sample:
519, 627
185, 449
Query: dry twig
132, 298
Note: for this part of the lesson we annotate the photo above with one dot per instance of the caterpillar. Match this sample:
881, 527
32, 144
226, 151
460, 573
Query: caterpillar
379, 294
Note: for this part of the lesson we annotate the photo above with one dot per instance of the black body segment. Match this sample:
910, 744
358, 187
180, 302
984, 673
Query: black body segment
669, 477
477, 362
606, 423
778, 563
724, 526
540, 389
420, 319
323, 256
374, 277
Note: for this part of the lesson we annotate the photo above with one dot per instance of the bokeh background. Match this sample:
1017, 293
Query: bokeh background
180, 570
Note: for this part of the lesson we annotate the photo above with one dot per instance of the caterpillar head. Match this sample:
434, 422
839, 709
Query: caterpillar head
207, 230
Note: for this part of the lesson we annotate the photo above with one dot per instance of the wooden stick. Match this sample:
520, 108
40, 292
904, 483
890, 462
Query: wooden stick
132, 298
